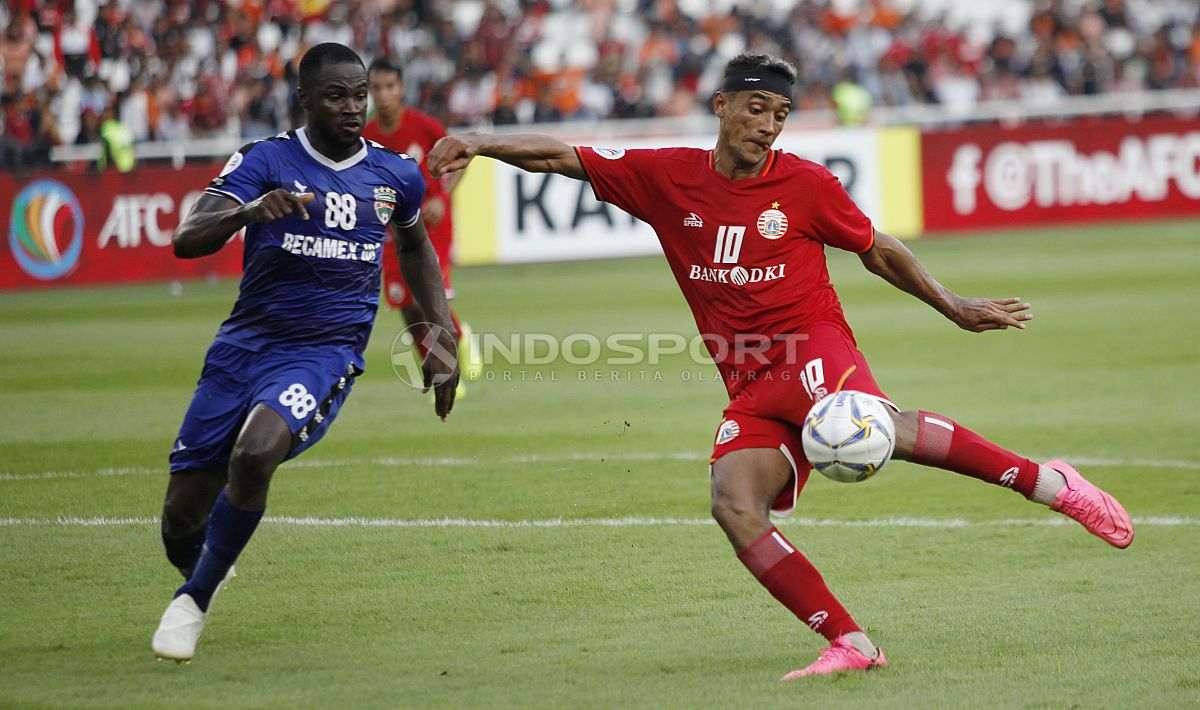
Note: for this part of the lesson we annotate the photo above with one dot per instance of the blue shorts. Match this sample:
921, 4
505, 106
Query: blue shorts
305, 386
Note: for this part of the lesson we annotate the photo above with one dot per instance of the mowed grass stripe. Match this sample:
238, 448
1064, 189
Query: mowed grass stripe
600, 581
622, 522
529, 458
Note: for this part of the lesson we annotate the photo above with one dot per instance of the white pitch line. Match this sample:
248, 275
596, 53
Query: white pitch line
489, 461
625, 522
98, 473
523, 459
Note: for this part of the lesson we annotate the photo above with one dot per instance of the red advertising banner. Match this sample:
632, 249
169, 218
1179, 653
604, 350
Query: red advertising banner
102, 228
1084, 170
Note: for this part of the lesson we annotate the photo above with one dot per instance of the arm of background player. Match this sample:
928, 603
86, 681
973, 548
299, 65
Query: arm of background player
534, 153
419, 266
890, 259
215, 219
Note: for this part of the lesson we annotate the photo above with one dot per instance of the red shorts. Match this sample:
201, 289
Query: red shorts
770, 410
395, 291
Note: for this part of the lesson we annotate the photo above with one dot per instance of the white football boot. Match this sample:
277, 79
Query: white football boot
179, 630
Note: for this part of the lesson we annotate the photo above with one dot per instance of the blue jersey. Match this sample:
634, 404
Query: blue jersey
315, 282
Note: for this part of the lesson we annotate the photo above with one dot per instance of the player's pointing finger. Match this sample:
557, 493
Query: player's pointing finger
296, 202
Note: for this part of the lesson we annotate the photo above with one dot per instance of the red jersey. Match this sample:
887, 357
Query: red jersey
415, 136
749, 254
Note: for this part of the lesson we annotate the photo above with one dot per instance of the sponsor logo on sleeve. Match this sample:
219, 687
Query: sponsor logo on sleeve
230, 165
609, 153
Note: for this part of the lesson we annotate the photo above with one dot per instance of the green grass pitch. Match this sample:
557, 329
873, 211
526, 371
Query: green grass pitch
978, 597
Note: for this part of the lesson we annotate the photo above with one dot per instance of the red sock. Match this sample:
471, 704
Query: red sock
792, 579
944, 444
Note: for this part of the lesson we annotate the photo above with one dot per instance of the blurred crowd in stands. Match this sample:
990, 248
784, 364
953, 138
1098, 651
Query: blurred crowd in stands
76, 71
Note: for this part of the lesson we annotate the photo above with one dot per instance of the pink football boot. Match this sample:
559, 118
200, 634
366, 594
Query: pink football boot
840, 656
1096, 510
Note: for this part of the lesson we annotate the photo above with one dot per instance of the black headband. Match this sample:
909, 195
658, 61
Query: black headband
757, 80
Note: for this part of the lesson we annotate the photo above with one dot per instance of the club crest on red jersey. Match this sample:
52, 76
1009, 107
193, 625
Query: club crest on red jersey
772, 224
385, 203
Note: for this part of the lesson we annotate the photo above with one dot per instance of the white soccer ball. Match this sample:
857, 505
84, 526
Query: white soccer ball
848, 436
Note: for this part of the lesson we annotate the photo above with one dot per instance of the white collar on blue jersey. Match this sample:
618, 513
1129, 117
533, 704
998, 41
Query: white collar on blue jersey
323, 160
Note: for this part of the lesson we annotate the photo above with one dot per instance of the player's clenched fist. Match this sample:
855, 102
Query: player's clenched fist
278, 204
452, 153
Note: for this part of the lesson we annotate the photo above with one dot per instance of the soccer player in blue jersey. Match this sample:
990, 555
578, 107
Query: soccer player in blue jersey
317, 204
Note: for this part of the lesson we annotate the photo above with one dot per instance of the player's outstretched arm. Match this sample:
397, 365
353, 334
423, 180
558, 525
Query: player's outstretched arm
531, 152
423, 275
891, 260
215, 219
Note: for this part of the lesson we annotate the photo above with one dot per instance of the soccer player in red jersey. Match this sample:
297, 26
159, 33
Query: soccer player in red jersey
744, 229
406, 130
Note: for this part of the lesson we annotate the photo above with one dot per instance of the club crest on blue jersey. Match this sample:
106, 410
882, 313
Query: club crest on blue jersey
385, 203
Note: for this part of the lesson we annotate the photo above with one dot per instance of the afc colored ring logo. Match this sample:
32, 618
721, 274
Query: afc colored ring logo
42, 212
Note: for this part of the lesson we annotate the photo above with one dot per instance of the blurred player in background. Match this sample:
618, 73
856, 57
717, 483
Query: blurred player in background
744, 229
318, 204
406, 130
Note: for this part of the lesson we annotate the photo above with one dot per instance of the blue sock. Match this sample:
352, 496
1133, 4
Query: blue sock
229, 529
184, 551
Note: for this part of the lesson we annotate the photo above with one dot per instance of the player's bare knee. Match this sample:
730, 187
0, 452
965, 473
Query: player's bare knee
738, 513
262, 445
252, 464
732, 512
248, 465
181, 516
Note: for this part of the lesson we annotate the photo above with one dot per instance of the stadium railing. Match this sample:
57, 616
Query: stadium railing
1184, 102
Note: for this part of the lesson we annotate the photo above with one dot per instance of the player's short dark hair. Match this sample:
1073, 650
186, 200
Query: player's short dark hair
385, 66
753, 61
321, 55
